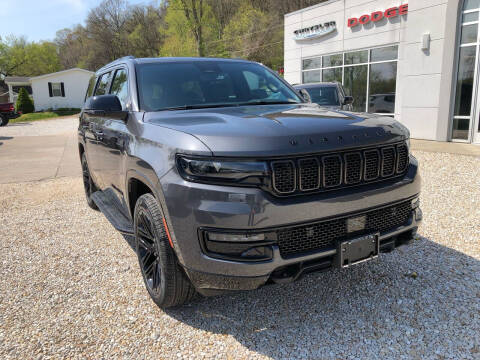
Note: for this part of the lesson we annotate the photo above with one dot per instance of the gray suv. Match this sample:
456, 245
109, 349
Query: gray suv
225, 179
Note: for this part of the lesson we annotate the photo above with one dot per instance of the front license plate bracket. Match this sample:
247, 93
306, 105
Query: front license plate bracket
358, 250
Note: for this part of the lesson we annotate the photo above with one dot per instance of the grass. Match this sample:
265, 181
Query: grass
45, 115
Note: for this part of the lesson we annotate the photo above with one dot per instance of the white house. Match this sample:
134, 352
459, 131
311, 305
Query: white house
63, 89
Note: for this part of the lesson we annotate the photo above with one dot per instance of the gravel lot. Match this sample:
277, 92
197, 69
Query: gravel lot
70, 287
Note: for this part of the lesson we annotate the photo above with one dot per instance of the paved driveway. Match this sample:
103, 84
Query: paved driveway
39, 150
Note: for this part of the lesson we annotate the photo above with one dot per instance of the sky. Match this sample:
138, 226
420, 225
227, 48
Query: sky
41, 19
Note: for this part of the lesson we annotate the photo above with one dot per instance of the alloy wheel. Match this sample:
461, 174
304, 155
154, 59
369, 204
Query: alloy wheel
148, 252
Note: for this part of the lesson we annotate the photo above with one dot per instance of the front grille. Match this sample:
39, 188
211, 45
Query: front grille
330, 171
326, 234
284, 176
309, 174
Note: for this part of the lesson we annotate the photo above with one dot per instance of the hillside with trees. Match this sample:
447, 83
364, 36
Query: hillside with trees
249, 29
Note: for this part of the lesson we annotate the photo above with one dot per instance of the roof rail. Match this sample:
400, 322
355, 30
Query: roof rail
117, 60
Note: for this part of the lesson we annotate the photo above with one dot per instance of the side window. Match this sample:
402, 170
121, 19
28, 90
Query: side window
102, 84
91, 86
120, 86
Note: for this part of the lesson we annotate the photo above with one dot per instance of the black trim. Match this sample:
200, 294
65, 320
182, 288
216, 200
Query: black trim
63, 89
50, 92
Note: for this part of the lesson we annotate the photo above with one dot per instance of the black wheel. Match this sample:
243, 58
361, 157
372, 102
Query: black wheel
165, 280
88, 184
3, 120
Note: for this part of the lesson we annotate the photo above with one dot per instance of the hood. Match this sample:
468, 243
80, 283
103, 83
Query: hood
278, 130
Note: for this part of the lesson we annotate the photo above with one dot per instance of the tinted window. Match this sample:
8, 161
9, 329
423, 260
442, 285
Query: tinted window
324, 95
356, 57
356, 85
332, 75
204, 83
311, 76
120, 86
91, 86
102, 84
333, 60
383, 82
385, 53
312, 63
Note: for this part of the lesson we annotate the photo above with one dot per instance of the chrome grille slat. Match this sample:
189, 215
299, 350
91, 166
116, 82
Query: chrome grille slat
331, 171
402, 158
284, 176
372, 164
388, 161
353, 168
309, 174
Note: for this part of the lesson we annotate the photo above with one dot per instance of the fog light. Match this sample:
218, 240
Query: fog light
242, 247
235, 237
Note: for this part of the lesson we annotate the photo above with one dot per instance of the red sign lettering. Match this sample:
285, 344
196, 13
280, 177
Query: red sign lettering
378, 15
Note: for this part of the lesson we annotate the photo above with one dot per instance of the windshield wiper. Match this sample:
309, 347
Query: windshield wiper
198, 106
267, 103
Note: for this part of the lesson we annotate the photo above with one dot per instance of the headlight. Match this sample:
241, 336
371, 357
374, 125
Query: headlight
225, 171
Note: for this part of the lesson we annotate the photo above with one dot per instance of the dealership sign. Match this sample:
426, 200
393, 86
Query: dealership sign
378, 15
315, 31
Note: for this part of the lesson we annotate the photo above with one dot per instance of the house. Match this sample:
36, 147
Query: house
63, 89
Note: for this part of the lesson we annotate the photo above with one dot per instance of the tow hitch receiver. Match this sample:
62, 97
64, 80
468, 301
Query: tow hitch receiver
358, 250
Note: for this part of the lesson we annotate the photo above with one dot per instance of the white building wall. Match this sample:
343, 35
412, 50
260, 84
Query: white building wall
424, 78
75, 84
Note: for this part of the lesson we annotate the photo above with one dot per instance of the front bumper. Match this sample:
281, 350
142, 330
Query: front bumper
192, 206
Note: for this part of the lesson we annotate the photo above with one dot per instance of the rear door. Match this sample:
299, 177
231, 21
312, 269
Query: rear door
93, 124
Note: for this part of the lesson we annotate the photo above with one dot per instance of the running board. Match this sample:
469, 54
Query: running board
111, 207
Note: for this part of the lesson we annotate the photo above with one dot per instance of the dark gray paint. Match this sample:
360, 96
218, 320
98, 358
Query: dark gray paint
145, 145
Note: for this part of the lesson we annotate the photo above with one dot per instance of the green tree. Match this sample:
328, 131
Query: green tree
254, 34
21, 58
24, 103
191, 29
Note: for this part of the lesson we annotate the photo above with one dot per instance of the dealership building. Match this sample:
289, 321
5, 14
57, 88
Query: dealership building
416, 61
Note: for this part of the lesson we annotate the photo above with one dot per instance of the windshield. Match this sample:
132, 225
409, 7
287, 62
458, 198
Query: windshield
324, 95
201, 84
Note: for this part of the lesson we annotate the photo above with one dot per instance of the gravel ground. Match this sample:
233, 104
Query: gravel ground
56, 126
70, 287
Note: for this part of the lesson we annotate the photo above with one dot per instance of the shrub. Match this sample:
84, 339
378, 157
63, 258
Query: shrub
24, 103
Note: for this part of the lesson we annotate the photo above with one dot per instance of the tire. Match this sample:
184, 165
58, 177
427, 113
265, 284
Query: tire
4, 120
164, 278
88, 183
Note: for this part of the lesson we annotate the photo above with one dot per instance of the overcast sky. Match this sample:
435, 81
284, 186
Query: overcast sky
40, 19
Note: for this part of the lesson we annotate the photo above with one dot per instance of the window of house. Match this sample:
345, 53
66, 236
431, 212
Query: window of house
366, 75
120, 86
56, 89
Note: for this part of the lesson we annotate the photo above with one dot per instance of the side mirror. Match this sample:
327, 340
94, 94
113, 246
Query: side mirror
105, 106
348, 100
305, 95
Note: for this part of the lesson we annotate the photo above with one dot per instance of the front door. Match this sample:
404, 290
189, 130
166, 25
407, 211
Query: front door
114, 138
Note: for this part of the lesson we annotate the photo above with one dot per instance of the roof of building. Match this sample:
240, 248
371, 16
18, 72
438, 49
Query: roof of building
61, 72
17, 79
